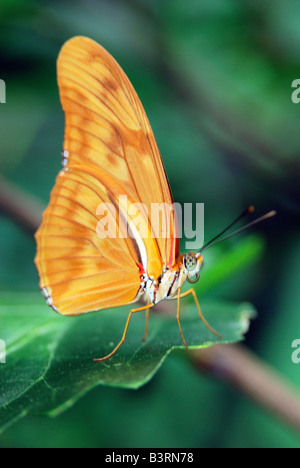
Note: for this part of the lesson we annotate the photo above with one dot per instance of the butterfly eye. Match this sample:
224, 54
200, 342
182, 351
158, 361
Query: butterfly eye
190, 262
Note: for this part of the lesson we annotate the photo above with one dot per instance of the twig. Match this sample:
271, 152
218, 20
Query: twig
22, 208
250, 375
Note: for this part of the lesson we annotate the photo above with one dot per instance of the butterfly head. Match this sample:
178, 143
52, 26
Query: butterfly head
192, 263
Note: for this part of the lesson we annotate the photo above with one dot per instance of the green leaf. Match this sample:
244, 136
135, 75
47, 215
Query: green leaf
49, 358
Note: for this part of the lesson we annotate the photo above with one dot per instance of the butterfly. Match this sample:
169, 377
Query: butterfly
109, 150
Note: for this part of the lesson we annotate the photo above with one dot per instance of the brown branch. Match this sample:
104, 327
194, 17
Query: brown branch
250, 375
23, 209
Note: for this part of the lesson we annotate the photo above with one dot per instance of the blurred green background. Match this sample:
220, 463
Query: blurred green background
215, 79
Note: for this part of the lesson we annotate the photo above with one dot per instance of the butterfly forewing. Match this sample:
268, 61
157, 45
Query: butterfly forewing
109, 150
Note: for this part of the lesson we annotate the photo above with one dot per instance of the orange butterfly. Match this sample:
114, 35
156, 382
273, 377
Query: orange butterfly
109, 150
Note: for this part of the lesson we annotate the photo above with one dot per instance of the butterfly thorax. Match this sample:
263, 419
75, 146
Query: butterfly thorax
171, 280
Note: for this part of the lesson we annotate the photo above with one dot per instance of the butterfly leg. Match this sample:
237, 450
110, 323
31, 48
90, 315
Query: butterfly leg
147, 325
178, 317
133, 311
192, 291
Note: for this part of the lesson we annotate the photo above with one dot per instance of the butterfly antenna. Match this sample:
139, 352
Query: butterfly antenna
249, 210
216, 240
